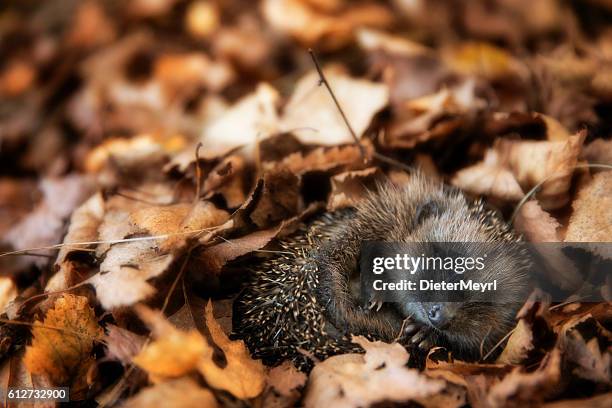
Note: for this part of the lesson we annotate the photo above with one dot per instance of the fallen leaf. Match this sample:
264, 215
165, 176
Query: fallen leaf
351, 186
591, 219
536, 224
44, 226
549, 163
312, 116
520, 343
355, 380
490, 178
598, 152
304, 22
284, 382
63, 341
122, 344
519, 388
8, 292
179, 393
250, 119
175, 353
127, 266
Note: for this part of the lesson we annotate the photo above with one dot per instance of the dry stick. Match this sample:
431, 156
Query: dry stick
381, 157
499, 343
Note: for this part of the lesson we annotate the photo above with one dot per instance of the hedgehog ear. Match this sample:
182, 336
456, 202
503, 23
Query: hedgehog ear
426, 210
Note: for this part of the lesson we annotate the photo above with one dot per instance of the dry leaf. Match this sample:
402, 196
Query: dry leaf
552, 163
250, 119
63, 341
175, 353
284, 382
8, 292
127, 266
519, 344
517, 388
301, 20
355, 380
180, 393
351, 186
536, 224
122, 344
591, 220
312, 116
485, 60
490, 178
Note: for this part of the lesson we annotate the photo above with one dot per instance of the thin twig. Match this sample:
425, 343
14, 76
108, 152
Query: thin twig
323, 81
376, 155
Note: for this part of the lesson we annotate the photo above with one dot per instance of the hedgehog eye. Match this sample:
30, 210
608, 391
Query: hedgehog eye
426, 210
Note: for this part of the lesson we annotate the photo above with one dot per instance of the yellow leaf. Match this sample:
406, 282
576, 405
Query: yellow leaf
242, 376
176, 353
62, 344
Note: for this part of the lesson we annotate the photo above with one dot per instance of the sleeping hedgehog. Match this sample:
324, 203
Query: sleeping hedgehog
304, 301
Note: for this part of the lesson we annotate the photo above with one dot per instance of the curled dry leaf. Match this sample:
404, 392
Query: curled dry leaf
520, 343
132, 153
312, 116
484, 60
355, 380
351, 186
551, 163
518, 388
83, 227
175, 353
529, 163
127, 266
179, 393
63, 341
490, 178
419, 120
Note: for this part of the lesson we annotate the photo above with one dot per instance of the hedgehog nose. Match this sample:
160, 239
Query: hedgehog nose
437, 315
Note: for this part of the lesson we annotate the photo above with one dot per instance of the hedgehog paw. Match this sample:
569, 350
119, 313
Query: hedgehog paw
375, 303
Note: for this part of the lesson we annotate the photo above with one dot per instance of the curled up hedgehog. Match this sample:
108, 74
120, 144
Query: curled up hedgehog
305, 300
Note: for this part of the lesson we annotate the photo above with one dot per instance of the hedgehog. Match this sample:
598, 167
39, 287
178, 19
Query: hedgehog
304, 302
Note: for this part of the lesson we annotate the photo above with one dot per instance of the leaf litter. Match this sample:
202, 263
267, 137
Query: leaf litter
122, 251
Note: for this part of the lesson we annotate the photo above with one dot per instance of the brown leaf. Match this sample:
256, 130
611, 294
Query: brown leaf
63, 341
175, 353
519, 344
591, 220
312, 116
351, 186
284, 382
599, 151
122, 344
519, 388
304, 22
127, 266
250, 119
490, 178
536, 224
354, 380
179, 393
551, 163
